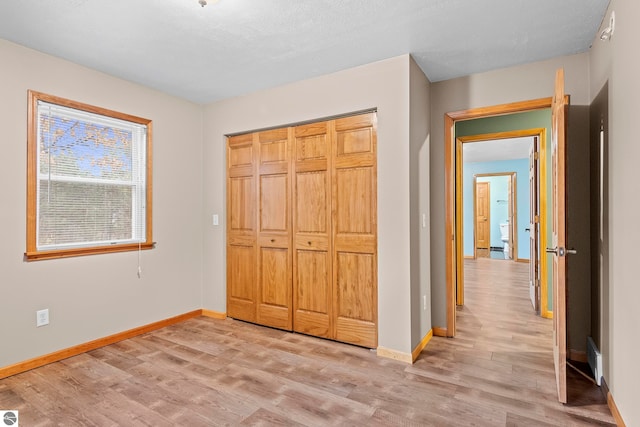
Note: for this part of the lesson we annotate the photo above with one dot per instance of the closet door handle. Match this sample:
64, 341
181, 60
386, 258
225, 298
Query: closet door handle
273, 240
309, 242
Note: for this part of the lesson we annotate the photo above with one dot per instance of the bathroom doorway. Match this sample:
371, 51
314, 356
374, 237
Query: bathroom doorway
482, 220
495, 202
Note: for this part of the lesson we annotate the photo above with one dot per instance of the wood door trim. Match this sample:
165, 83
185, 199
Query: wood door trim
451, 171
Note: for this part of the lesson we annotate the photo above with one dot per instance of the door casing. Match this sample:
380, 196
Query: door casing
453, 198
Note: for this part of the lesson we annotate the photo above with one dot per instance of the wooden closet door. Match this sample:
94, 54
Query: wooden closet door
241, 229
312, 273
274, 229
355, 297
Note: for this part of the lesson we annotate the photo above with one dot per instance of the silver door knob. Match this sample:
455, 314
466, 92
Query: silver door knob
561, 251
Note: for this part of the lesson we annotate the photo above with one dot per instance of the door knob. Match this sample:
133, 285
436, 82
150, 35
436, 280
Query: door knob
561, 251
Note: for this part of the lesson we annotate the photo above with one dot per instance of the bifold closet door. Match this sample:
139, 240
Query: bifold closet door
355, 274
312, 278
302, 229
274, 304
241, 228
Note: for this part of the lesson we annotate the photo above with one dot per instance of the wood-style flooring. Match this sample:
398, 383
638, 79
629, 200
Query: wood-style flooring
498, 371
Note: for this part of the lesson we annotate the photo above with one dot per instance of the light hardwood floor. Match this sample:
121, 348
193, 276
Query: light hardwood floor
205, 372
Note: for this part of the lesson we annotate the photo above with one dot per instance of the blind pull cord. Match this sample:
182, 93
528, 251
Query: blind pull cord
139, 256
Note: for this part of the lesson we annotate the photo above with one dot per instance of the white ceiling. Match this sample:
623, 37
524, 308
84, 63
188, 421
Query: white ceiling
500, 149
235, 47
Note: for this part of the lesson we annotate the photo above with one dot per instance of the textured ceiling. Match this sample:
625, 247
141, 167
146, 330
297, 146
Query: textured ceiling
235, 47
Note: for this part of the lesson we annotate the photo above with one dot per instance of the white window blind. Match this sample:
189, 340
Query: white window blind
91, 172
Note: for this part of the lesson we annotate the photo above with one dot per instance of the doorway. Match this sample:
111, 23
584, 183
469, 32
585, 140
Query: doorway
557, 106
497, 158
453, 193
496, 215
482, 219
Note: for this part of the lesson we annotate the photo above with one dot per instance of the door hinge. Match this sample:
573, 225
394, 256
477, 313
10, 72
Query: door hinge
536, 219
536, 155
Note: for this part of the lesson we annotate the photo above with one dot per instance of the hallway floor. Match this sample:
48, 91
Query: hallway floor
501, 361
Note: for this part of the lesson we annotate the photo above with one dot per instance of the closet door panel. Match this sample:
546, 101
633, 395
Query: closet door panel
354, 198
241, 216
355, 297
354, 302
311, 202
312, 285
274, 214
241, 292
241, 229
313, 292
275, 287
274, 230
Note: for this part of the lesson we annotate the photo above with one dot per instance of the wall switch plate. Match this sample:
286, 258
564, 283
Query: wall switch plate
42, 317
424, 302
216, 220
424, 220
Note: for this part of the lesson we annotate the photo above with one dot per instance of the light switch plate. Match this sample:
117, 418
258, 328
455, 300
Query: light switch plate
42, 317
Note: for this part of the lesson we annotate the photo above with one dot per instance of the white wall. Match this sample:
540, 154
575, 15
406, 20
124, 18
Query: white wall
525, 82
94, 296
383, 85
618, 63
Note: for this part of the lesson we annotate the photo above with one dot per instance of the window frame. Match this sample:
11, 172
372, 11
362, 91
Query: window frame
32, 253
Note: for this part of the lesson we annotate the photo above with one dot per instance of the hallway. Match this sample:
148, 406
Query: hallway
502, 358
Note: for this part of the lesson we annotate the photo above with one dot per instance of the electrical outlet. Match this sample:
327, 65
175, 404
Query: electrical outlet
42, 317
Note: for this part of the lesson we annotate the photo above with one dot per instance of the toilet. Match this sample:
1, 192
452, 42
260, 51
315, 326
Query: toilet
504, 236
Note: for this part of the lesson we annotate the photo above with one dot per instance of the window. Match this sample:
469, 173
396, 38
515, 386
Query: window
88, 179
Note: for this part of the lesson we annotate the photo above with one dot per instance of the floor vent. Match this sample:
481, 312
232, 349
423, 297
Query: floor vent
595, 359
